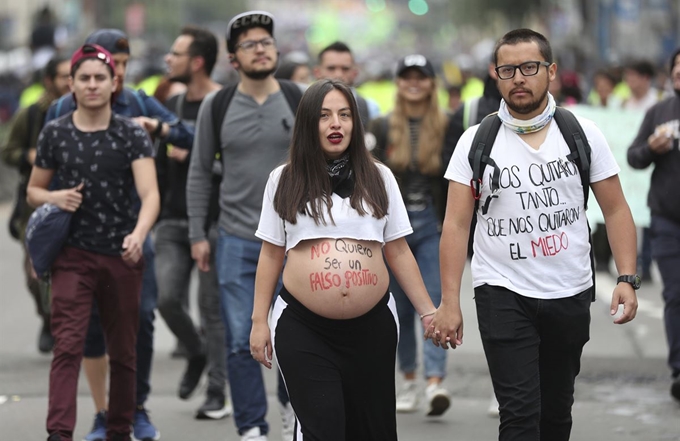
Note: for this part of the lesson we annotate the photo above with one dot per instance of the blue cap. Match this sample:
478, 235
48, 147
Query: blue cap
113, 40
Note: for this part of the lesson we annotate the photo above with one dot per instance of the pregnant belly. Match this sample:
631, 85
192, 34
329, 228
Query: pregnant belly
336, 278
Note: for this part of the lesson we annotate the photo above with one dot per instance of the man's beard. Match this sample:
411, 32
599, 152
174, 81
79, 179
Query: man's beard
258, 74
524, 109
184, 78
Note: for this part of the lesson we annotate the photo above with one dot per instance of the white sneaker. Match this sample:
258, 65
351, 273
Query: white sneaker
439, 399
253, 434
407, 397
287, 421
493, 406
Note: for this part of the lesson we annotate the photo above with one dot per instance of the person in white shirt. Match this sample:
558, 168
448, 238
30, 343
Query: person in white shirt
335, 215
531, 270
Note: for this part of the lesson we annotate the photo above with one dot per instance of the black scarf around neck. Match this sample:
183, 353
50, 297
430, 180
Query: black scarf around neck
342, 177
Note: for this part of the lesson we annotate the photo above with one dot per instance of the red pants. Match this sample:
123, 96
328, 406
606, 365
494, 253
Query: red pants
78, 276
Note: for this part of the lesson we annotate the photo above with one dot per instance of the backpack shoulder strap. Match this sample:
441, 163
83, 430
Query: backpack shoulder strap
60, 103
220, 104
179, 104
579, 153
292, 92
479, 156
578, 146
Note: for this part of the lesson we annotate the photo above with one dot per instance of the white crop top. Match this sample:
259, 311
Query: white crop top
348, 223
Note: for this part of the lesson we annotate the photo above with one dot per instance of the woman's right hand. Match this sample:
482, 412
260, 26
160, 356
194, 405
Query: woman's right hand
69, 199
261, 344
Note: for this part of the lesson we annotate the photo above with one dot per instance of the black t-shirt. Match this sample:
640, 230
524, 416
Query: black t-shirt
172, 175
102, 160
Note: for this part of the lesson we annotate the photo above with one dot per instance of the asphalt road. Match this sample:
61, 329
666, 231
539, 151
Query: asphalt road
621, 394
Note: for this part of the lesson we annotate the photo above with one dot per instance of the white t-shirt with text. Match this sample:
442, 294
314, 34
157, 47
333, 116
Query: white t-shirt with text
534, 238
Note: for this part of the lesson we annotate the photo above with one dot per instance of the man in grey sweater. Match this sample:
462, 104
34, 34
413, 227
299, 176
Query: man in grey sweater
253, 140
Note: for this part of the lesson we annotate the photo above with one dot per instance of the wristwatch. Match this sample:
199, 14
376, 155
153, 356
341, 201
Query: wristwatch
634, 280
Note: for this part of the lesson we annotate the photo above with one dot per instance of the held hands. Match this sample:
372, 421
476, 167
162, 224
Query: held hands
624, 294
200, 252
132, 248
69, 199
445, 327
261, 344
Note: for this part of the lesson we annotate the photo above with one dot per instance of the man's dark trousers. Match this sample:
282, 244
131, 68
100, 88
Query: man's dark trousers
533, 348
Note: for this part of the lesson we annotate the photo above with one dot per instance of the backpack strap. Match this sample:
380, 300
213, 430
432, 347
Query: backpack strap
220, 104
578, 146
179, 105
60, 101
292, 93
479, 156
579, 153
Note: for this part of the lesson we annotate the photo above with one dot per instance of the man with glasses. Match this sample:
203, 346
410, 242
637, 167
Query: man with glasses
252, 139
190, 61
531, 271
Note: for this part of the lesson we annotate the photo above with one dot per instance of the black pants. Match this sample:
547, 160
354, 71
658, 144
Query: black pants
339, 373
533, 348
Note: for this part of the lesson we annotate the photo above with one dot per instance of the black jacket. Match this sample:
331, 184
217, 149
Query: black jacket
662, 198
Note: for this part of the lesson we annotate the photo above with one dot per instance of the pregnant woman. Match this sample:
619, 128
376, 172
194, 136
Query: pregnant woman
336, 216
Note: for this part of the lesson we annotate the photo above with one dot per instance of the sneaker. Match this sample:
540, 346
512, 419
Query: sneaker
45, 339
98, 432
54, 437
439, 399
493, 410
287, 421
407, 397
675, 388
216, 407
192, 376
253, 434
142, 428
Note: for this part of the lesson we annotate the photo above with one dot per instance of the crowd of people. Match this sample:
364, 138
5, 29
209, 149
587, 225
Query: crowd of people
329, 236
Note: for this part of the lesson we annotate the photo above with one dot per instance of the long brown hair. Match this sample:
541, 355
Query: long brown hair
430, 137
305, 186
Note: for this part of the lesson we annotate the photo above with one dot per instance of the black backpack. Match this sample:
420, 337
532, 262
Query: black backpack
220, 104
485, 138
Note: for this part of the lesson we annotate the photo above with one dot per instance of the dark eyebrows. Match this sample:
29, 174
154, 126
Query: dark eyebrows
340, 110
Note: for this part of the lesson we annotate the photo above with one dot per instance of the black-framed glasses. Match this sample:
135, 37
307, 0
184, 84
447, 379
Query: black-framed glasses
528, 69
250, 45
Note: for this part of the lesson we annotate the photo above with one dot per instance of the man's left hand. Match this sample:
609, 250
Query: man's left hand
624, 294
132, 248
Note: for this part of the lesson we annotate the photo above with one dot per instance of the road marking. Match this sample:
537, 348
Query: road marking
3, 399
